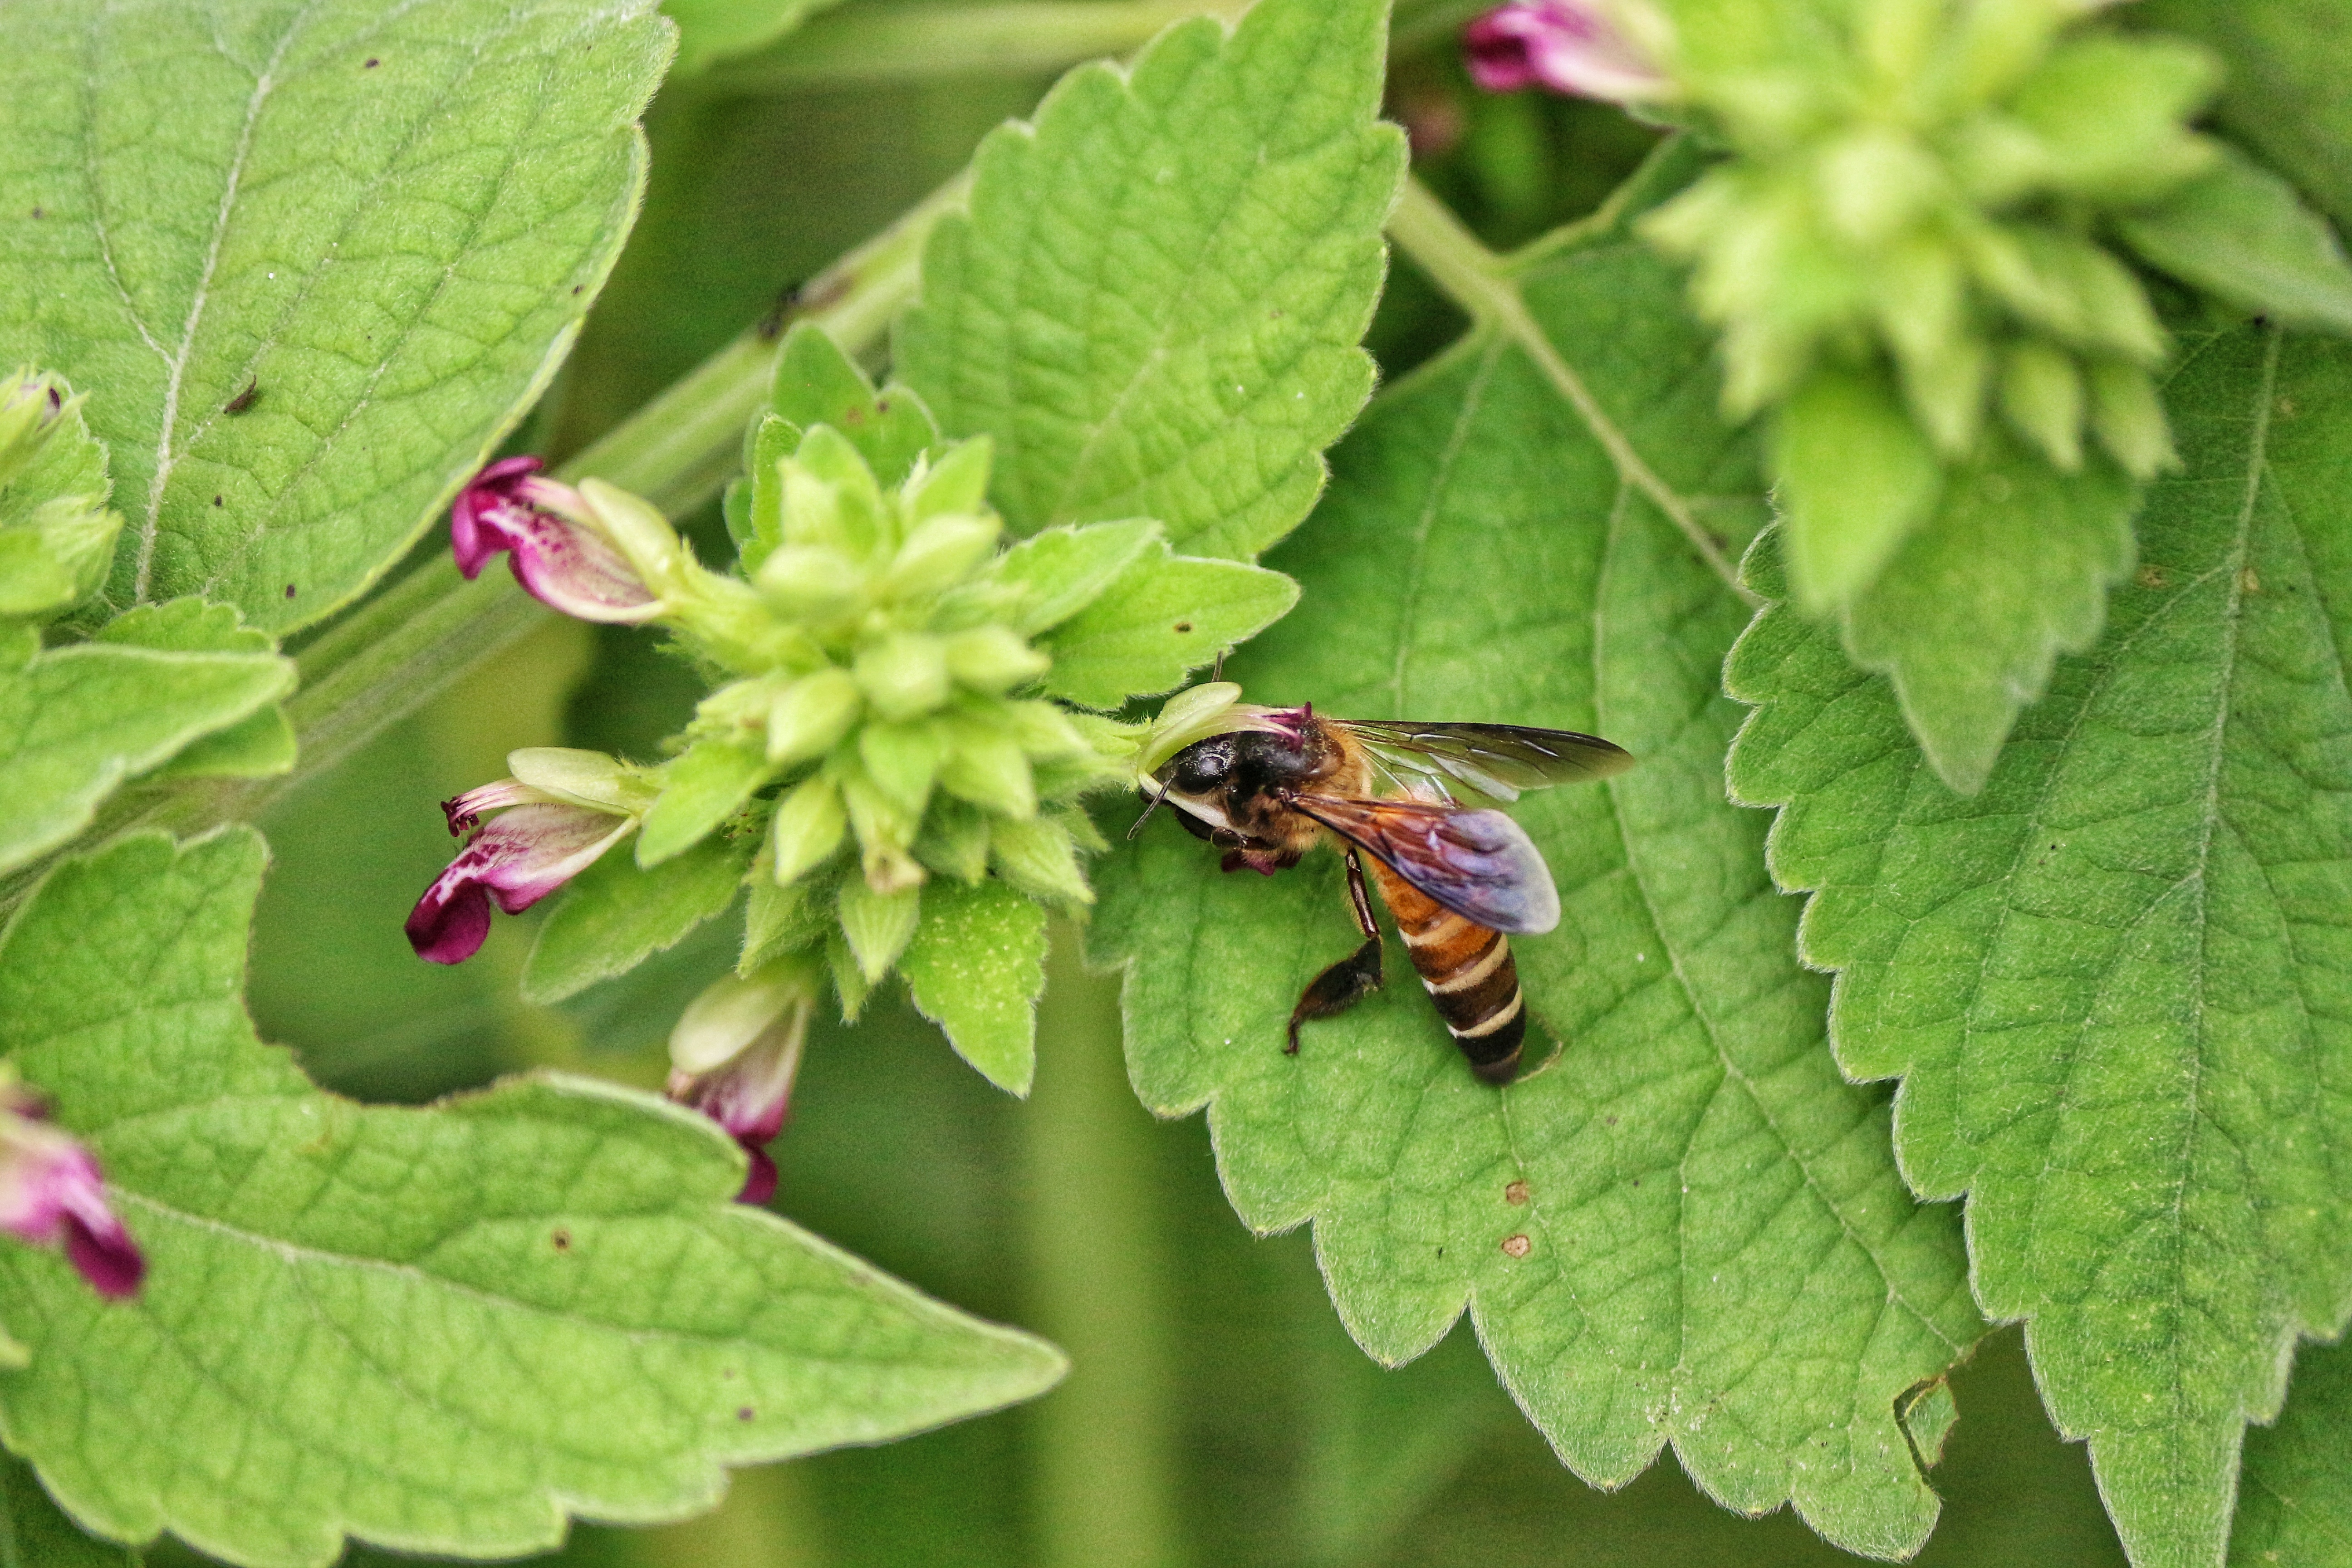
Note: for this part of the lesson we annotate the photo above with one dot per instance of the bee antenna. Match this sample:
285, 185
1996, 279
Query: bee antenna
1157, 801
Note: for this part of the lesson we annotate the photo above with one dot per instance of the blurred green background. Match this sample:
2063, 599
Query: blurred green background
1218, 1413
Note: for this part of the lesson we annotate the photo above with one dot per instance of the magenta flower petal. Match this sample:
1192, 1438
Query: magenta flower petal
750, 1093
51, 1194
760, 1183
517, 859
1567, 45
563, 564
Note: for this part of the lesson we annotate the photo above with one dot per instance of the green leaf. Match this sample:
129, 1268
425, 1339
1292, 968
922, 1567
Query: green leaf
309, 288
1688, 1229
976, 967
2287, 94
2294, 1499
439, 1329
259, 746
1163, 616
2113, 983
816, 384
2243, 233
1155, 301
76, 721
1976, 606
616, 915
1060, 571
713, 30
702, 788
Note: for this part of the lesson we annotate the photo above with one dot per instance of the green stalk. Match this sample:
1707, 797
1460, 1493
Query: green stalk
1104, 1444
862, 45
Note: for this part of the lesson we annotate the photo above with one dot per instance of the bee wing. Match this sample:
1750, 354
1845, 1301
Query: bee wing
1479, 864
1484, 763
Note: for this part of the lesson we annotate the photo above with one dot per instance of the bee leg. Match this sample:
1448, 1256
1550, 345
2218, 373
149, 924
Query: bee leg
1345, 983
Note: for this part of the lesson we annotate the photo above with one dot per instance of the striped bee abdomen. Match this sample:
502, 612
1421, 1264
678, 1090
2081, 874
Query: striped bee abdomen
1469, 974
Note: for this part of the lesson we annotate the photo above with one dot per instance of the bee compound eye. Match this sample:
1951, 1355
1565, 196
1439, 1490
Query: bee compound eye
1202, 766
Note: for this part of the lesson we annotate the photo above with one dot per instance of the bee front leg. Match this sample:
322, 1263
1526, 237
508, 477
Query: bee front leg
1347, 982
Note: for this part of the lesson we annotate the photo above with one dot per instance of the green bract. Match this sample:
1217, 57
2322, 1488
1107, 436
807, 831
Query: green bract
884, 710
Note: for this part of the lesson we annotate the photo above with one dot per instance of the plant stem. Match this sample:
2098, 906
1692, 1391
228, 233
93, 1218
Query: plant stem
1105, 1441
861, 46
1479, 281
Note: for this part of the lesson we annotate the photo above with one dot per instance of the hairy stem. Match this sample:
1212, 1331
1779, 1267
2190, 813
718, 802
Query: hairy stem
1479, 281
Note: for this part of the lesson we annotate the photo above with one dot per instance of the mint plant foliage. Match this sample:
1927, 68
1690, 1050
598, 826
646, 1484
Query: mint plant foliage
2111, 984
2295, 1496
1155, 302
308, 289
1684, 1229
440, 1329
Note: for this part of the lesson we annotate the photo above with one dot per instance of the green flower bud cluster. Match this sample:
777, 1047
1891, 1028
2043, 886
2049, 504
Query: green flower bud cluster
56, 536
1916, 208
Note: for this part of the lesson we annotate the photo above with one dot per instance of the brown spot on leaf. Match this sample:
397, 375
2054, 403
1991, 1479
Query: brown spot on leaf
745, 1414
216, 500
372, 64
1183, 626
2149, 577
1517, 1193
562, 1239
1517, 1246
246, 399
2249, 581
290, 590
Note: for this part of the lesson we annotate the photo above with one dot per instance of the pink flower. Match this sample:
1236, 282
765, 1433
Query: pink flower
563, 809
50, 1192
1567, 46
553, 540
733, 1055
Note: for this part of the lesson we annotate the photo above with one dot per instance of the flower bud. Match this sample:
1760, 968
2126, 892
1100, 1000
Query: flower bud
993, 659
1040, 858
581, 778
807, 828
902, 759
904, 675
957, 482
642, 534
812, 716
878, 925
2129, 419
989, 769
955, 841
941, 553
2041, 395
735, 1052
811, 582
1042, 731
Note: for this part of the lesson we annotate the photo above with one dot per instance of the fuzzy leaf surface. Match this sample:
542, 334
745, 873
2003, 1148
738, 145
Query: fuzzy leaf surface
2116, 984
1155, 301
2287, 94
439, 1329
75, 721
1687, 1230
34, 1534
308, 289
977, 966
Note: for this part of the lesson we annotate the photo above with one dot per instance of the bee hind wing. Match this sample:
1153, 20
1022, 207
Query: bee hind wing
1486, 761
1479, 864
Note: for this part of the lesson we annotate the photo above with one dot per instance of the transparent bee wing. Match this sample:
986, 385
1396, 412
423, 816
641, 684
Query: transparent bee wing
1479, 864
1483, 762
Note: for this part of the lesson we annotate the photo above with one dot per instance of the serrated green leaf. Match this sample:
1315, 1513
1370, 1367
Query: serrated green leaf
976, 968
259, 746
76, 721
309, 288
1163, 618
1060, 571
439, 1329
616, 914
1689, 1229
1855, 477
1973, 611
2243, 233
2113, 983
702, 788
56, 535
1154, 303
2295, 1498
713, 30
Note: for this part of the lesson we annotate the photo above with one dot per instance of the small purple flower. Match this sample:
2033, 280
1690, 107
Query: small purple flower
553, 543
519, 860
733, 1057
1567, 46
51, 1194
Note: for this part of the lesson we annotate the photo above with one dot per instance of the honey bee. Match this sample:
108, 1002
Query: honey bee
1268, 784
